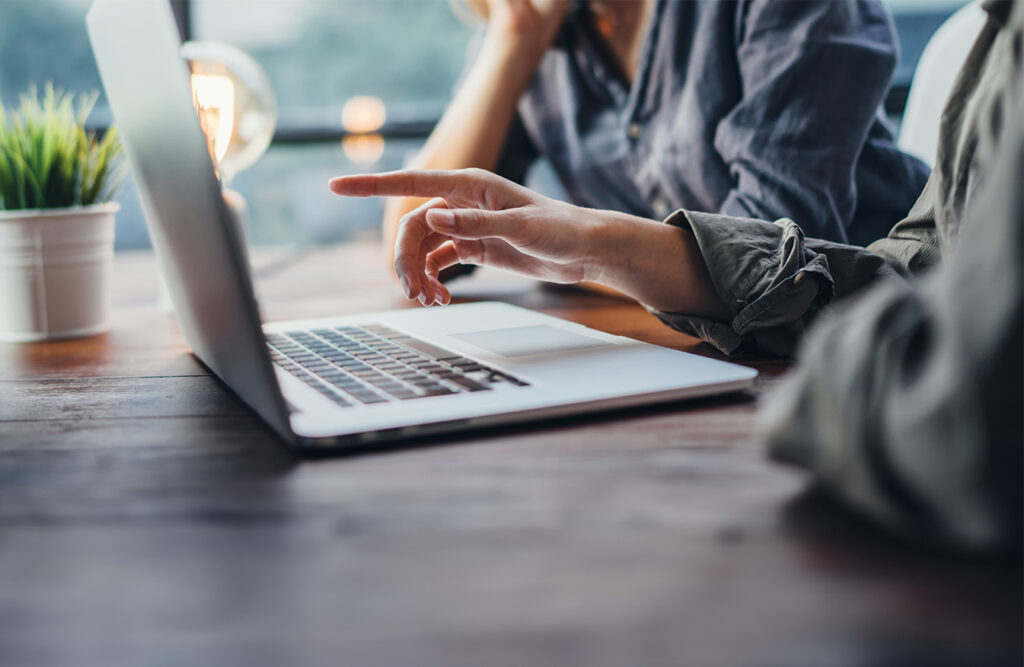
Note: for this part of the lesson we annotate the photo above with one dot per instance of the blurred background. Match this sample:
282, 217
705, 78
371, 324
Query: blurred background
320, 55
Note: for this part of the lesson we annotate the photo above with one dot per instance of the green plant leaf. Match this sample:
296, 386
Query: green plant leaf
48, 159
6, 178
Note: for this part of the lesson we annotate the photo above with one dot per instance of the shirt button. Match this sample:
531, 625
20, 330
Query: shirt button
634, 130
661, 208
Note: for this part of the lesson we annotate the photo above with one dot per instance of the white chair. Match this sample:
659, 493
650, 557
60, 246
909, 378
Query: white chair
933, 79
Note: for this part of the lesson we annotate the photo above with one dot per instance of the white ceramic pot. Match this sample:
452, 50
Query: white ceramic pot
55, 272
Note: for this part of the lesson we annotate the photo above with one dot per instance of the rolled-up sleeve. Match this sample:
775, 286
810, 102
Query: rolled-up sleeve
814, 74
773, 279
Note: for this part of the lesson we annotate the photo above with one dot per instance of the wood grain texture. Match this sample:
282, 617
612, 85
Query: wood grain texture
147, 518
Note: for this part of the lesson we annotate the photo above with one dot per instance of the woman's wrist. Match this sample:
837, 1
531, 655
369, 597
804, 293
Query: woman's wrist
659, 265
604, 243
526, 26
522, 45
506, 66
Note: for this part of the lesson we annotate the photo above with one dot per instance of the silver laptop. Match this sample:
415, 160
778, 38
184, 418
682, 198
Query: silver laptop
333, 384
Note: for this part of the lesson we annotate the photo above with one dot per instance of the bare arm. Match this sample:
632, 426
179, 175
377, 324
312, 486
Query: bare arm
473, 128
477, 217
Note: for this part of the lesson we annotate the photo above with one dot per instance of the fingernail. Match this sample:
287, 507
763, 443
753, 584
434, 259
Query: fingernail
441, 217
405, 287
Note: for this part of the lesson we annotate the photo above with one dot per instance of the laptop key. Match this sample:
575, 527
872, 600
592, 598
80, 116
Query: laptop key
337, 398
370, 398
467, 383
468, 367
496, 376
439, 391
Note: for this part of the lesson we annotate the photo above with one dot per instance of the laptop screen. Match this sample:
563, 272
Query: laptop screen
196, 239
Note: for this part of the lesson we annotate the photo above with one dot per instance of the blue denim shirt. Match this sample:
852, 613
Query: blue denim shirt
758, 108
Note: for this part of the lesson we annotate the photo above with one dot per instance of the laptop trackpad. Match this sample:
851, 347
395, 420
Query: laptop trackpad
521, 341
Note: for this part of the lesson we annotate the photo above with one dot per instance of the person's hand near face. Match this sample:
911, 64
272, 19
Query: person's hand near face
538, 18
475, 217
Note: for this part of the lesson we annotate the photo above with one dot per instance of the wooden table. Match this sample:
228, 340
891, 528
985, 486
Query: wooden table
147, 518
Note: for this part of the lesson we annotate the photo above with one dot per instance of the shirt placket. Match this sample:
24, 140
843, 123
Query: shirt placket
637, 113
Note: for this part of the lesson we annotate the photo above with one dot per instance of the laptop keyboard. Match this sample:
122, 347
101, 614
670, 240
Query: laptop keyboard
376, 364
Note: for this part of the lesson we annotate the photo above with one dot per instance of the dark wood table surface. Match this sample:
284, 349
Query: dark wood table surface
147, 518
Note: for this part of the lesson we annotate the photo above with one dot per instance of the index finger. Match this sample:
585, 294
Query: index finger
404, 183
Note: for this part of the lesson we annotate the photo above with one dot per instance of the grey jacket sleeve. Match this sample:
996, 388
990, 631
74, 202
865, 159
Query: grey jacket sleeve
774, 280
908, 405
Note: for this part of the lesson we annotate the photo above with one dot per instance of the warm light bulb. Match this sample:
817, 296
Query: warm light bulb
363, 148
363, 114
362, 117
214, 99
240, 130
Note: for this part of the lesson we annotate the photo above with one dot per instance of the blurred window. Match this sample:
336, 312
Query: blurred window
318, 54
44, 40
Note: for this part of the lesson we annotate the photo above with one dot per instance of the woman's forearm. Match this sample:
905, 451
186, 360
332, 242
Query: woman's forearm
659, 265
473, 128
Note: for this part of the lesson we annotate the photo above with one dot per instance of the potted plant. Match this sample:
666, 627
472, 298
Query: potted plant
56, 218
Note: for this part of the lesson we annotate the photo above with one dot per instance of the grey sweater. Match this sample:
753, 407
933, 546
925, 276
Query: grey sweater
907, 400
